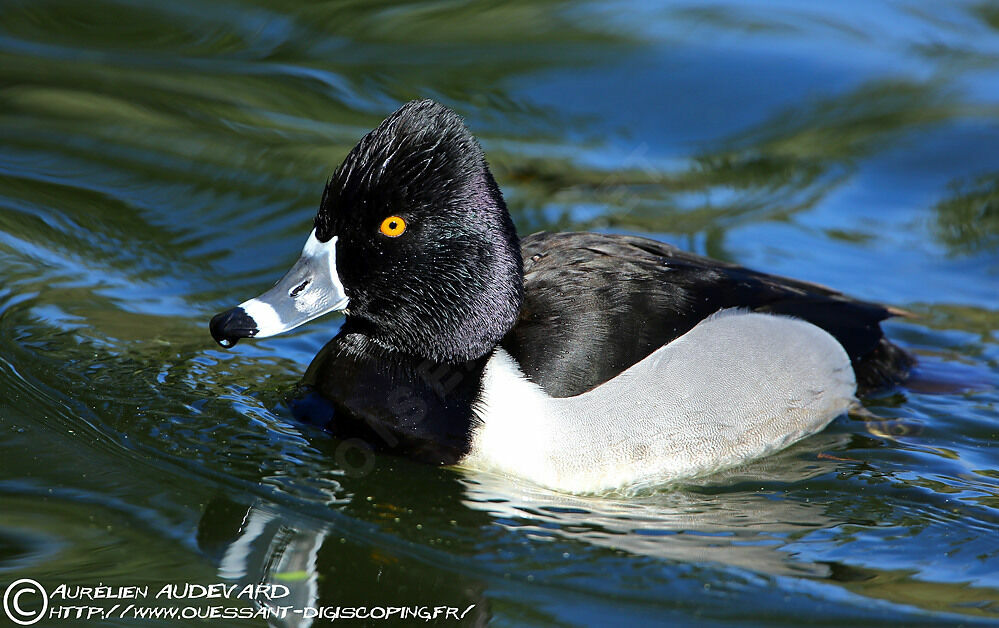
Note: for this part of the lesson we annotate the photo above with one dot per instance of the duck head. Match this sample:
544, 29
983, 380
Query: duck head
412, 241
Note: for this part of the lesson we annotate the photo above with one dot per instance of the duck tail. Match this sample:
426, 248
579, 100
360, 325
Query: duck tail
887, 366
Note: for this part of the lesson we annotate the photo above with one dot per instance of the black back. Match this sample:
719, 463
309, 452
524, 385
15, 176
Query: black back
595, 304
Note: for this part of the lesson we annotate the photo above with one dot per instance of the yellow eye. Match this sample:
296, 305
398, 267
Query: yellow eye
393, 226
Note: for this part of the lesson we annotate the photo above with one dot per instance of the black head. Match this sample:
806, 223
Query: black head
426, 250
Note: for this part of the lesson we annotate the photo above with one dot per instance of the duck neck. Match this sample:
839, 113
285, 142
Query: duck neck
393, 401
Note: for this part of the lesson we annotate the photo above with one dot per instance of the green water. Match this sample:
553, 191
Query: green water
160, 162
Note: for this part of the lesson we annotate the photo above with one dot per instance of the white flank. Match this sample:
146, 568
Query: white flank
738, 386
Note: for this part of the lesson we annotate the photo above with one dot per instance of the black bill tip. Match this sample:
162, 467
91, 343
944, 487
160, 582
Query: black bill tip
229, 326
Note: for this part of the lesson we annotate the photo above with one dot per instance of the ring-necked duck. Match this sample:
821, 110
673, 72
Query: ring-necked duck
581, 361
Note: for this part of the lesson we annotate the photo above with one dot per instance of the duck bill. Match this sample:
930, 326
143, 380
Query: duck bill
310, 289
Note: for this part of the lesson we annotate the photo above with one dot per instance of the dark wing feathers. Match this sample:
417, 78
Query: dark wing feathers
585, 292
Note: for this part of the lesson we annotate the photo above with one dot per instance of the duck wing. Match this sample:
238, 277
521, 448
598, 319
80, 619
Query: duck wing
736, 387
595, 304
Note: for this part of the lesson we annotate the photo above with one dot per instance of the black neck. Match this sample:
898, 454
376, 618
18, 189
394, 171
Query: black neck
394, 401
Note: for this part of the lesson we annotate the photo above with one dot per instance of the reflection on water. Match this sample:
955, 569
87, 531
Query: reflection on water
745, 530
968, 222
319, 570
161, 160
755, 531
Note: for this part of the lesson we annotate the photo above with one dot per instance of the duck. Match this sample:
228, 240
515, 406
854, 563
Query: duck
581, 362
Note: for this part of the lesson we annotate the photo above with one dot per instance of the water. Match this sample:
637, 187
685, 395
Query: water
160, 162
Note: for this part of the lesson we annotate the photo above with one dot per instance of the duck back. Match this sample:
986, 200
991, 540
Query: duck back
595, 304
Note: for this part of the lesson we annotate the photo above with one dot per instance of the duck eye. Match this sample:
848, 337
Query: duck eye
393, 226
